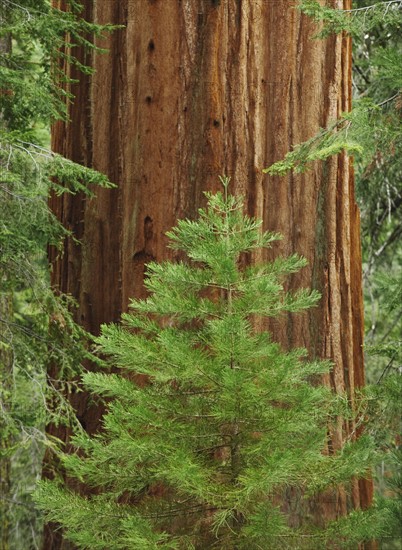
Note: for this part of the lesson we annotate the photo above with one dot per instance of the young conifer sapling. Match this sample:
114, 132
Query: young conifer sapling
199, 455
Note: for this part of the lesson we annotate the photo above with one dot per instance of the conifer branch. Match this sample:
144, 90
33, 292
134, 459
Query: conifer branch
373, 6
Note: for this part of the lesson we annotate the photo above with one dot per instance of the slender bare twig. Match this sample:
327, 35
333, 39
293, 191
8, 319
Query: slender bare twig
373, 6
22, 8
389, 99
17, 502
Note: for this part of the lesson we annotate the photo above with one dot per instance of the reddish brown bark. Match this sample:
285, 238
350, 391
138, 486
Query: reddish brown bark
192, 89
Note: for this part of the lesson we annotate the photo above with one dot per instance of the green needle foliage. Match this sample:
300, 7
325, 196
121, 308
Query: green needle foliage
372, 131
209, 420
385, 410
365, 16
36, 327
41, 38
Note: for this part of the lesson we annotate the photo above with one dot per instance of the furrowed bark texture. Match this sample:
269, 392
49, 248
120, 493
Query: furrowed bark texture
192, 89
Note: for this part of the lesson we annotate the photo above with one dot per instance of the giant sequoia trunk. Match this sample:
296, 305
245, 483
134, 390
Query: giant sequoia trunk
192, 89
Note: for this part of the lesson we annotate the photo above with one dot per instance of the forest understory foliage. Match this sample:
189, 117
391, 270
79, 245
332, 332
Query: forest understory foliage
36, 326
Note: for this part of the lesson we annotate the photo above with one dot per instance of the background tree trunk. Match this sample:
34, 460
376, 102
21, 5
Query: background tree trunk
192, 89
